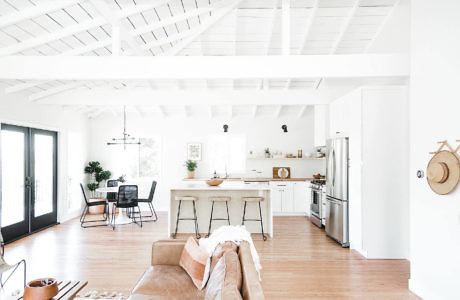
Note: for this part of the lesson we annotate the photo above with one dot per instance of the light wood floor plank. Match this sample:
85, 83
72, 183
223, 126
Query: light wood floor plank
300, 262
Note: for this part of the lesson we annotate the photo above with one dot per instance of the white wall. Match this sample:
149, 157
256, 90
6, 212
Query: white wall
72, 137
175, 133
434, 107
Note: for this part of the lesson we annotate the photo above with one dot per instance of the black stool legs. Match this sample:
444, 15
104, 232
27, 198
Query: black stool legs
258, 220
217, 219
190, 219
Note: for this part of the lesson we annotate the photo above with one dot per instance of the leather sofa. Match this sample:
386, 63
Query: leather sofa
165, 279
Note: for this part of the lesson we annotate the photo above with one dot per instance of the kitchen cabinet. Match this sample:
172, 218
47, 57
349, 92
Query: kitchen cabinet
320, 125
302, 194
290, 198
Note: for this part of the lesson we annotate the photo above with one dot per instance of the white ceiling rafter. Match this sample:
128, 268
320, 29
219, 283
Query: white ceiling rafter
302, 111
311, 18
52, 36
271, 28
42, 8
23, 86
205, 25
382, 25
113, 19
286, 27
339, 38
55, 90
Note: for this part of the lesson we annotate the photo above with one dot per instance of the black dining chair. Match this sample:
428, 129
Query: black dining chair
149, 201
112, 196
90, 204
127, 198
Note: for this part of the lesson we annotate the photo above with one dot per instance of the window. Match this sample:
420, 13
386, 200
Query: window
227, 153
139, 161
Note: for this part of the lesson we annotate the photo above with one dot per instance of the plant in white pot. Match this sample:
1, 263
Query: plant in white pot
191, 167
97, 175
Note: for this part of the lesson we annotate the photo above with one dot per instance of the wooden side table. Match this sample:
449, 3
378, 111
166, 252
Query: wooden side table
69, 289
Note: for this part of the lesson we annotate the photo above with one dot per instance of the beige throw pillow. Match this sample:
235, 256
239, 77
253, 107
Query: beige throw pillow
193, 261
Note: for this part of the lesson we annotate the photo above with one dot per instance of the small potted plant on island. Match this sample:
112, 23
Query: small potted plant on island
191, 167
97, 175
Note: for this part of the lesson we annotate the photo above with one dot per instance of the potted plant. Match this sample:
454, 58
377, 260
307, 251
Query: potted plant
97, 175
191, 167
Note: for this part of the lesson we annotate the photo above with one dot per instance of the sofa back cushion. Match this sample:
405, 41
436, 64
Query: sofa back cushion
251, 289
193, 261
226, 278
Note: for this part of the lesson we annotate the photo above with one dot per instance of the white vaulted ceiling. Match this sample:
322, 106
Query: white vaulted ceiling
184, 28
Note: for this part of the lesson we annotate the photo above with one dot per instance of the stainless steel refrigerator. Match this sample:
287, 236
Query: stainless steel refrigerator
337, 190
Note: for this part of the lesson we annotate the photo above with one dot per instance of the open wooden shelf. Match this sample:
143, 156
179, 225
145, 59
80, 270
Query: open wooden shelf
285, 158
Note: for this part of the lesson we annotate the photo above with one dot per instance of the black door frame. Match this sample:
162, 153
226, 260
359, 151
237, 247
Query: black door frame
31, 224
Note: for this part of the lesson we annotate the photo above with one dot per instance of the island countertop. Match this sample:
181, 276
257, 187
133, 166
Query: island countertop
222, 187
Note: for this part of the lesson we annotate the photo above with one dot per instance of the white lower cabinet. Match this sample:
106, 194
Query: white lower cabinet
290, 198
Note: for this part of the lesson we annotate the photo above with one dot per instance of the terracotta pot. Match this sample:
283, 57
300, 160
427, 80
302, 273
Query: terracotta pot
191, 174
37, 290
96, 210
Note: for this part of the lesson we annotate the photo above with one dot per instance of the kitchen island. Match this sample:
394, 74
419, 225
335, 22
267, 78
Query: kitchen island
236, 191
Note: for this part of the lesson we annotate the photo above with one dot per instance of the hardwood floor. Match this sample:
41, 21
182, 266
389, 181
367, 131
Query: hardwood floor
300, 262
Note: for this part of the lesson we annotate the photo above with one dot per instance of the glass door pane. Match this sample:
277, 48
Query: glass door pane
13, 176
44, 174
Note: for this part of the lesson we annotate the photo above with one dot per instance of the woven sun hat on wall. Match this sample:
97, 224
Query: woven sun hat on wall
443, 172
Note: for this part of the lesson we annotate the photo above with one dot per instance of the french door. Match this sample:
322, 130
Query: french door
28, 180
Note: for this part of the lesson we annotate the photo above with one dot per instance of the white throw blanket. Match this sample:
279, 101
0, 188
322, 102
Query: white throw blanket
223, 234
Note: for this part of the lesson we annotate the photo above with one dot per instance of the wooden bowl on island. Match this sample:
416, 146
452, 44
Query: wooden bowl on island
214, 182
43, 288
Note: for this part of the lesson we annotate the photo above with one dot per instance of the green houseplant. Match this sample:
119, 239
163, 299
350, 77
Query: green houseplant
191, 167
97, 175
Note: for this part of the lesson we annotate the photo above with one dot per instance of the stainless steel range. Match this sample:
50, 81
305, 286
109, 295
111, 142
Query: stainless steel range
316, 211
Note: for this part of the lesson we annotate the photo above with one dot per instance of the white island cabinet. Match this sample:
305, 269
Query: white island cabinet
290, 198
236, 191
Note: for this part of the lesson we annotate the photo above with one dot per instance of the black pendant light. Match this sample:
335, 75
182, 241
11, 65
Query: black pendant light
127, 139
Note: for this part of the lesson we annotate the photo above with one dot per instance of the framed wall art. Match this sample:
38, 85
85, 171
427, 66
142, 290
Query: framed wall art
194, 151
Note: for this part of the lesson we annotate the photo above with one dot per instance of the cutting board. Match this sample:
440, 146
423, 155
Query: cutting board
278, 172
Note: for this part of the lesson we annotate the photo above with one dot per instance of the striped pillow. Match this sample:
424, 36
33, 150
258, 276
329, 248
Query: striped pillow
193, 261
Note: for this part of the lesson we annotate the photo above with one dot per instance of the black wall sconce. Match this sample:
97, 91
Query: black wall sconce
284, 127
225, 128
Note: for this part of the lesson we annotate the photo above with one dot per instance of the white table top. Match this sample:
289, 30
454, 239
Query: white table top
107, 189
224, 187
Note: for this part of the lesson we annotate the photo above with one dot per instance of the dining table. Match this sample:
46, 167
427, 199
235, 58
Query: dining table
121, 218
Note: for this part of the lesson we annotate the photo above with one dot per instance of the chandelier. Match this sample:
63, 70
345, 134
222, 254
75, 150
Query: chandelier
127, 139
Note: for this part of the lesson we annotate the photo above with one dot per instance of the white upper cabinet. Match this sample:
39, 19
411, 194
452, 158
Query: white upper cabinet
321, 124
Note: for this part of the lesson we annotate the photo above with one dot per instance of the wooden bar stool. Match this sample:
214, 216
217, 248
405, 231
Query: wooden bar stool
187, 198
218, 199
254, 200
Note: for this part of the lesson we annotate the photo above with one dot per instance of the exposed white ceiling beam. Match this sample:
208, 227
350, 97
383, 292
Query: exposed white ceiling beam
311, 18
254, 111
23, 86
113, 19
382, 25
271, 28
52, 36
209, 67
278, 111
342, 32
41, 8
286, 27
210, 112
54, 91
208, 23
193, 97
302, 111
